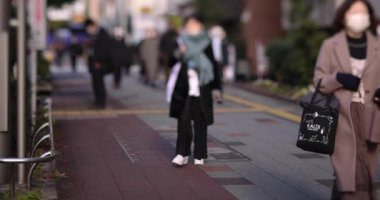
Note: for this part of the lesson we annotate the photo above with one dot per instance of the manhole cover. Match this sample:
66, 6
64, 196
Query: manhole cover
230, 156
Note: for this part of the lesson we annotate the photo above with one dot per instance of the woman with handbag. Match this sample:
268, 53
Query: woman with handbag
348, 66
198, 84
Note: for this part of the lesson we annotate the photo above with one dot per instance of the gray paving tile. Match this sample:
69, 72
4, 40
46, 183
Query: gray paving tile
233, 181
244, 192
307, 156
231, 174
326, 182
234, 143
266, 121
268, 183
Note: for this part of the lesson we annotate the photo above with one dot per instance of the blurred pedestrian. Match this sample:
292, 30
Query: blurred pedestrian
59, 47
149, 54
76, 51
198, 83
168, 45
99, 60
348, 67
219, 46
121, 55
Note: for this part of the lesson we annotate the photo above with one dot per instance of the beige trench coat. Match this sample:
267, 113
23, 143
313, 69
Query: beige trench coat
334, 57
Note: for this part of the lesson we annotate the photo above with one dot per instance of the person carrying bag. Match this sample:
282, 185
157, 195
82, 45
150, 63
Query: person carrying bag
348, 65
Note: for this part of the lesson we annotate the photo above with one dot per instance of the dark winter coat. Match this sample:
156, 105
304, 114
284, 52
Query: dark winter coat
76, 49
181, 90
121, 53
168, 45
100, 50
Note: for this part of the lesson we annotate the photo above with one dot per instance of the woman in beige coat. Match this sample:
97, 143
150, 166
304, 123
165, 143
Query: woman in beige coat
349, 66
149, 55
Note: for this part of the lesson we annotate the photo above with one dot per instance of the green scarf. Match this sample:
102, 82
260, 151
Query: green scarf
196, 58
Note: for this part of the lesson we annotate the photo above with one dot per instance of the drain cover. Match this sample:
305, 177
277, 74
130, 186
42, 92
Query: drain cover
230, 156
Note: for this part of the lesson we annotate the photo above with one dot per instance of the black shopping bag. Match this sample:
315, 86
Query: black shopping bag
319, 122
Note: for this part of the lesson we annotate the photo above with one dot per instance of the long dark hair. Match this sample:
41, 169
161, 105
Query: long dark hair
338, 23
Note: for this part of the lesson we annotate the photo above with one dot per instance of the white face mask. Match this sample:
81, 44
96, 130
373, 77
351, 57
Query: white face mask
358, 23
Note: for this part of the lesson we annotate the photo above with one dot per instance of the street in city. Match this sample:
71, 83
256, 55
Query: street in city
124, 151
84, 111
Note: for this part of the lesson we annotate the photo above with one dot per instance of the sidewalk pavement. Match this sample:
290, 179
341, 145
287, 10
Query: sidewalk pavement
124, 152
118, 157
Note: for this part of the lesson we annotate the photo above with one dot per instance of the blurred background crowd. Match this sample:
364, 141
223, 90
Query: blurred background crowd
274, 40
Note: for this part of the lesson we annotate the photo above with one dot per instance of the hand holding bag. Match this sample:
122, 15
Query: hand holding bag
319, 122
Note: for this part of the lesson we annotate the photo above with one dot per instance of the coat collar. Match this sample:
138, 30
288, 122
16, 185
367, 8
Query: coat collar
372, 51
343, 54
342, 51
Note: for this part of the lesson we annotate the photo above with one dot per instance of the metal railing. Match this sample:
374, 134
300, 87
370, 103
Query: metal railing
42, 134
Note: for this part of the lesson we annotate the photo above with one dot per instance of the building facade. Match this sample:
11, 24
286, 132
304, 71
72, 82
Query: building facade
262, 24
268, 20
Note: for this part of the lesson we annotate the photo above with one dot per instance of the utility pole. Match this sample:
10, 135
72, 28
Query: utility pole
4, 87
37, 21
21, 65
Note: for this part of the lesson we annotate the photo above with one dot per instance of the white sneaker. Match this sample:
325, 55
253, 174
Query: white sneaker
180, 160
199, 162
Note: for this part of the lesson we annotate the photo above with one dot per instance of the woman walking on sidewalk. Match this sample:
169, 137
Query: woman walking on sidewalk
348, 65
198, 84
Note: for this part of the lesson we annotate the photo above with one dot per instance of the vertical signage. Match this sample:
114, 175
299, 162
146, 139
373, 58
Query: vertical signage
37, 22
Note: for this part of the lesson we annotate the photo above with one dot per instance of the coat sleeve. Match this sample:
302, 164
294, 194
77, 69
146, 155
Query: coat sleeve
216, 84
324, 70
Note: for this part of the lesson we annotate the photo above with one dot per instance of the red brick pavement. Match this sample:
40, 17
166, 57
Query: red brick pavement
98, 168
74, 92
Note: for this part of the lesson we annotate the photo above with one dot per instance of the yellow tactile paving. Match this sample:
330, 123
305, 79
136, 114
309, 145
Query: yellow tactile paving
265, 108
252, 107
74, 113
142, 111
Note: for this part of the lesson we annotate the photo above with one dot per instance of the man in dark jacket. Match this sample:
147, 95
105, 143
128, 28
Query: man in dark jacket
76, 50
99, 60
168, 45
121, 55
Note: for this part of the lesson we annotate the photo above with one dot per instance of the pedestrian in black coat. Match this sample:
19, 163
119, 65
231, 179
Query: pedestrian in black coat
197, 86
168, 44
121, 55
99, 60
180, 93
76, 51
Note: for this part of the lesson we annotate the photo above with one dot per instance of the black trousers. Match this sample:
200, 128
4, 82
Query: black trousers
73, 59
192, 124
117, 74
98, 87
